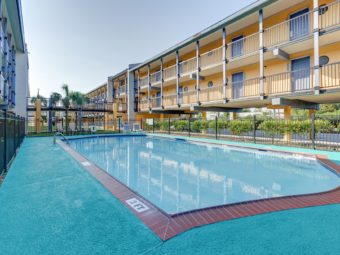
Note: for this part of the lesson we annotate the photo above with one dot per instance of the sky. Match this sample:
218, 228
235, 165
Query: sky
82, 42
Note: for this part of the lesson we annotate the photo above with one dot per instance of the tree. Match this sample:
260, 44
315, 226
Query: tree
66, 101
78, 100
54, 99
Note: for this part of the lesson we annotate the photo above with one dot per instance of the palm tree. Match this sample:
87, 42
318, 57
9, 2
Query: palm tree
54, 99
66, 101
78, 100
42, 99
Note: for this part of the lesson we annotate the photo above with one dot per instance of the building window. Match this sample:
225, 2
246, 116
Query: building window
210, 84
324, 60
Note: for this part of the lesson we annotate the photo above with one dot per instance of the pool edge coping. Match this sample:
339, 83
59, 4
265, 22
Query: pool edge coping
166, 226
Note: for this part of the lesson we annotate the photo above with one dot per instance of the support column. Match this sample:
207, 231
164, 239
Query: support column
38, 116
198, 70
149, 85
225, 61
115, 116
138, 88
233, 115
177, 78
287, 116
316, 32
261, 54
4, 64
162, 83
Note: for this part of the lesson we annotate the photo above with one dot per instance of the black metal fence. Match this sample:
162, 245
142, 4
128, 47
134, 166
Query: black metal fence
316, 132
12, 133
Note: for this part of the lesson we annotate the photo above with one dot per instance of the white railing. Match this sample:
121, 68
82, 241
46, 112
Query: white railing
246, 88
155, 77
187, 97
244, 46
188, 66
211, 58
144, 82
290, 30
170, 100
144, 105
122, 89
329, 15
156, 102
169, 73
330, 76
213, 93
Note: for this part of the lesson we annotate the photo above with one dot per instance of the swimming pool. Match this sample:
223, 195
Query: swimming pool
179, 176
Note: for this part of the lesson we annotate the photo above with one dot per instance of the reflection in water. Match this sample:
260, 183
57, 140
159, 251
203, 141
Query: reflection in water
179, 176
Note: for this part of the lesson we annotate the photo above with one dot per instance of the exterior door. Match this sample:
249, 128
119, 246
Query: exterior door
237, 47
158, 99
238, 84
301, 74
299, 24
180, 95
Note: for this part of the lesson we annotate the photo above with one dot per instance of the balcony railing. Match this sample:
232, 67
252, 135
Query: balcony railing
214, 93
188, 66
122, 89
244, 46
170, 100
156, 102
289, 82
212, 58
187, 97
144, 105
246, 88
169, 73
330, 76
290, 30
122, 107
144, 82
329, 15
155, 78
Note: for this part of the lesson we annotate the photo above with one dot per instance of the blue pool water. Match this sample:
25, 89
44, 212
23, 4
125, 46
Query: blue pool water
179, 176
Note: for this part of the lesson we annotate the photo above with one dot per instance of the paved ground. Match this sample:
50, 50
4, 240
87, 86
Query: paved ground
50, 205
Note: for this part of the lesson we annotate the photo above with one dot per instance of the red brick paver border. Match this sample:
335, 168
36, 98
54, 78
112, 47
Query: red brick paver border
166, 226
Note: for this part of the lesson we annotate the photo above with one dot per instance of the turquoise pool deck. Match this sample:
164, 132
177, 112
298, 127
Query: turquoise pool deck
51, 205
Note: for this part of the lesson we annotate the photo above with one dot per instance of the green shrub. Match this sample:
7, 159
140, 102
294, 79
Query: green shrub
273, 127
180, 125
198, 126
238, 127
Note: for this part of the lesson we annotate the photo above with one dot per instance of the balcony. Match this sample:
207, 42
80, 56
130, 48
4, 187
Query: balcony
245, 89
156, 102
290, 82
243, 46
329, 15
211, 94
170, 100
188, 66
155, 78
144, 83
169, 73
330, 76
212, 58
144, 105
187, 97
122, 107
122, 90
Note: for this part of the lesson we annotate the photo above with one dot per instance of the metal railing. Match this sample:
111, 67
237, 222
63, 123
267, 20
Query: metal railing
156, 102
188, 66
187, 97
318, 132
211, 94
122, 89
122, 107
170, 100
144, 82
155, 77
289, 82
244, 46
246, 88
330, 76
290, 30
329, 15
12, 133
211, 58
144, 105
169, 73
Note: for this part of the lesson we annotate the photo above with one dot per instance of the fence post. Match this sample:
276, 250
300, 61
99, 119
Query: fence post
189, 126
153, 125
254, 129
118, 125
141, 124
313, 130
5, 141
169, 126
216, 127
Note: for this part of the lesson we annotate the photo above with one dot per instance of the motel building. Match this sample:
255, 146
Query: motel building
14, 87
271, 54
